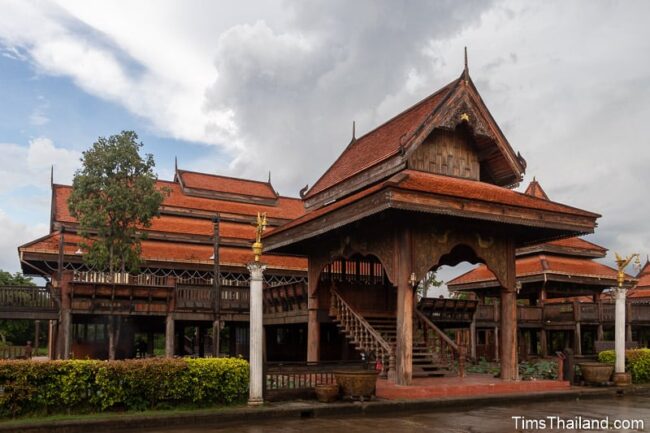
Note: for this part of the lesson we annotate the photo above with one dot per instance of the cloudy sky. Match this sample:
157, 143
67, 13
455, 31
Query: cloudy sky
241, 88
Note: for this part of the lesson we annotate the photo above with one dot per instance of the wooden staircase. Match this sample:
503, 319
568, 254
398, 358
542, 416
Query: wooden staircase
433, 351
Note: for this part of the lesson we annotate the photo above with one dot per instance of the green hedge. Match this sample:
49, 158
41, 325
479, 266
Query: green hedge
32, 387
636, 360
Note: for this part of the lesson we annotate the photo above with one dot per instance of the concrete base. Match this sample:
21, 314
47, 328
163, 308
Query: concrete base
255, 402
623, 379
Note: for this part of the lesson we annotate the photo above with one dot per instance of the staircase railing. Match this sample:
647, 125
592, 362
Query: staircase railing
361, 333
436, 340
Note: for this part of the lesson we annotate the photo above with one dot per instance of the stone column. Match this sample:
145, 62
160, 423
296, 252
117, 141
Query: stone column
256, 351
404, 346
619, 330
169, 336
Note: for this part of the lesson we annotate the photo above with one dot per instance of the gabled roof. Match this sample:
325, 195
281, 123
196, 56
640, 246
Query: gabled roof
642, 289
225, 184
536, 190
154, 251
438, 194
446, 108
543, 265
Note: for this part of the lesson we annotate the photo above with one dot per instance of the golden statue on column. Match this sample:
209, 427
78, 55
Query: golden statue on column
259, 230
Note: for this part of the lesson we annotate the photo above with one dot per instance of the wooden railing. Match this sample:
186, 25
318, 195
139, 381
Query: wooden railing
145, 279
202, 297
361, 333
12, 352
291, 380
441, 346
529, 314
26, 297
486, 313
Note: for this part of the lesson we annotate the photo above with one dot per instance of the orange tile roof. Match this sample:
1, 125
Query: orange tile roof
162, 251
443, 185
285, 208
213, 182
380, 143
481, 191
536, 190
578, 243
642, 289
542, 264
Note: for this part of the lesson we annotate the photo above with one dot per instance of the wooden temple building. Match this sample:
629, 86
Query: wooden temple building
173, 297
563, 299
432, 186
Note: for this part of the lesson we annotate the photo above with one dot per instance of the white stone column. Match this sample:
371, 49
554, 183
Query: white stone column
255, 396
619, 330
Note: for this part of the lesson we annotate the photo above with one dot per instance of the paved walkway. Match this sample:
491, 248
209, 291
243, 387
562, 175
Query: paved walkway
471, 385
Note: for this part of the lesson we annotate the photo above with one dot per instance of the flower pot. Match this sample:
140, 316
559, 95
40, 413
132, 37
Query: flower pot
596, 373
327, 393
357, 384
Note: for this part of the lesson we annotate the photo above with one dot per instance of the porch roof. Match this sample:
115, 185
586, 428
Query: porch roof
412, 190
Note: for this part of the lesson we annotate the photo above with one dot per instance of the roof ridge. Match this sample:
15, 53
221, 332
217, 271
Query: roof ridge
224, 176
448, 87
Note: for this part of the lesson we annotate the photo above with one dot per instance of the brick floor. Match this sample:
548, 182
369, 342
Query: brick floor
471, 385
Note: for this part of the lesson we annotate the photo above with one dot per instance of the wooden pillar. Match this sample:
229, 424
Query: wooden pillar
543, 342
52, 339
509, 364
628, 332
216, 282
496, 344
600, 332
472, 339
216, 338
150, 343
404, 347
114, 327
37, 337
169, 336
577, 341
313, 326
65, 327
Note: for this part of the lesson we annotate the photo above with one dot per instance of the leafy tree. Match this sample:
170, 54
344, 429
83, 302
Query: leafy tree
428, 282
114, 194
15, 331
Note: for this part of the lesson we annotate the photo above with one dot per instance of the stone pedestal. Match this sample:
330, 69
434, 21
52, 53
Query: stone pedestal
623, 379
256, 383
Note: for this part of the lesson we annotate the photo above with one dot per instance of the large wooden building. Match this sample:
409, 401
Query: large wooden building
564, 299
204, 217
430, 187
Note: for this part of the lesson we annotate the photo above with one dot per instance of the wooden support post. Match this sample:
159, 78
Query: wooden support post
577, 341
543, 342
65, 327
509, 364
52, 339
313, 326
404, 347
600, 332
628, 332
169, 336
150, 343
114, 328
216, 282
216, 338
472, 339
37, 337
496, 344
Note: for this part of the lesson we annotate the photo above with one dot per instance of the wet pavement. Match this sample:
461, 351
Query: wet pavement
609, 413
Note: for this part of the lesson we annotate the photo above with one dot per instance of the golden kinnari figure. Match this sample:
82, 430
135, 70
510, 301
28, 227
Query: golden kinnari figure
622, 263
259, 230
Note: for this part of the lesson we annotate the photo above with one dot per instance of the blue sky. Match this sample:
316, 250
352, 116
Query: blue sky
241, 89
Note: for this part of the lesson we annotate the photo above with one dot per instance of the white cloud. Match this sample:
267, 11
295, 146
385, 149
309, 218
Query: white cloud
30, 165
13, 234
278, 85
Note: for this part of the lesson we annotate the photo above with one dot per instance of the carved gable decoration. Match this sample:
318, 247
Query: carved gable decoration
449, 153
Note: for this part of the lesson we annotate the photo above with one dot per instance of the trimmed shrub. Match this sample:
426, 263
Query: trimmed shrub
636, 360
31, 387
